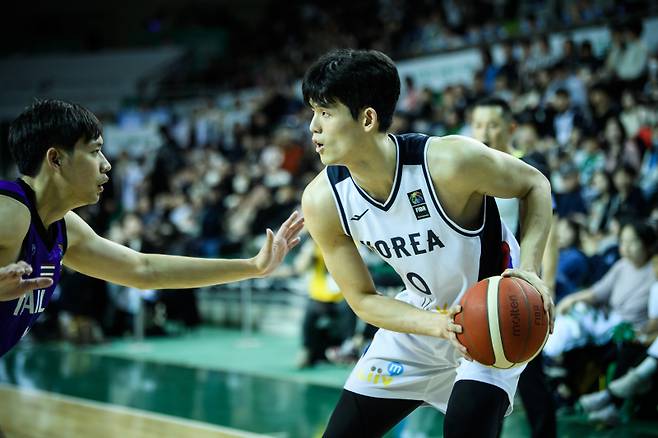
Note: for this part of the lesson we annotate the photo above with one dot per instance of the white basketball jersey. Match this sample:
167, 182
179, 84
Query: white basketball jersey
437, 259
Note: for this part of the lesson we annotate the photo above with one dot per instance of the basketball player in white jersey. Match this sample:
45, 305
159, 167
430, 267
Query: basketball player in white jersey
493, 125
425, 205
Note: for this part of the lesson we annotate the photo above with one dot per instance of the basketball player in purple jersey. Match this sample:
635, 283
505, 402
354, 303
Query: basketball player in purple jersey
57, 146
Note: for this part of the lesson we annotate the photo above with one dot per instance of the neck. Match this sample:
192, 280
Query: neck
374, 168
50, 205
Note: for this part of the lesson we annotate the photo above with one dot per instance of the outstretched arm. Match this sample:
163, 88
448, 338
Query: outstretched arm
98, 257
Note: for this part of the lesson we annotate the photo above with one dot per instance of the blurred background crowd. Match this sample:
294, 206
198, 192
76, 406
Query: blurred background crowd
215, 148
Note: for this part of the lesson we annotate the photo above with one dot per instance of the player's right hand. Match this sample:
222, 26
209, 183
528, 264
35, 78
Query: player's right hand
13, 285
450, 330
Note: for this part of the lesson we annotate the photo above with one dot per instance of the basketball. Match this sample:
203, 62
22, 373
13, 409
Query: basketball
503, 321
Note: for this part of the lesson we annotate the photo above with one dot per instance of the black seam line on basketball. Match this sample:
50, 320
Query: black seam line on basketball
396, 183
437, 205
529, 313
527, 305
467, 336
499, 321
486, 300
341, 211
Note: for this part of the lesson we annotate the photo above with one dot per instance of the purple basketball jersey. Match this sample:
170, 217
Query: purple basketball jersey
43, 250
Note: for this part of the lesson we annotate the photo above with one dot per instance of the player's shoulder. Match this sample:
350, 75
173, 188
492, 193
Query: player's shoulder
15, 218
318, 192
453, 152
319, 206
454, 144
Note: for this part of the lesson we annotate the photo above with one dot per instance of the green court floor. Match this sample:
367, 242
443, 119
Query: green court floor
221, 377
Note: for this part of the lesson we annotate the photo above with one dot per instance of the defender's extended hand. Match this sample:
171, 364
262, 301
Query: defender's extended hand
277, 245
13, 285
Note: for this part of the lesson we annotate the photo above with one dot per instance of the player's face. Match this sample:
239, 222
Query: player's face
85, 171
490, 127
334, 132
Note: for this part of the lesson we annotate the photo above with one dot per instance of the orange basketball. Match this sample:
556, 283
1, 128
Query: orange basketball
503, 320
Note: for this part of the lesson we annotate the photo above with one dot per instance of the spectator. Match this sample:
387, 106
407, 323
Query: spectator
633, 376
572, 268
624, 290
633, 59
562, 117
628, 201
601, 195
328, 320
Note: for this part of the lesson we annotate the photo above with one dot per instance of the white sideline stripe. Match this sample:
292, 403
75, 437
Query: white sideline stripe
132, 411
494, 325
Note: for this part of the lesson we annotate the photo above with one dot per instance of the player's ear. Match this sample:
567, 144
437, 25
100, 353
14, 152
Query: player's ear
370, 119
54, 157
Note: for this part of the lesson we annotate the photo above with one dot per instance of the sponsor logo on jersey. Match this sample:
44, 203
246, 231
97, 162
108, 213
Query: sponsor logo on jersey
417, 200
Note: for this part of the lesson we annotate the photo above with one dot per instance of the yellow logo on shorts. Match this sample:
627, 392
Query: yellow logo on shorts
375, 376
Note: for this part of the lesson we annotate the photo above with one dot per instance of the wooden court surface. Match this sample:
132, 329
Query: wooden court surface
35, 414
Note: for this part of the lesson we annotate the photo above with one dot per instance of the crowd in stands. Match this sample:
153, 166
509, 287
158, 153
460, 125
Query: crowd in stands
298, 31
225, 171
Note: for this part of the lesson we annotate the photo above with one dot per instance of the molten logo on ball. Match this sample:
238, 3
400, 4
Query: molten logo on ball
504, 322
515, 315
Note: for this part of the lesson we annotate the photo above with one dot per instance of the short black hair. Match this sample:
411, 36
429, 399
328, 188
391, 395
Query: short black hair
356, 78
47, 123
645, 231
562, 92
497, 102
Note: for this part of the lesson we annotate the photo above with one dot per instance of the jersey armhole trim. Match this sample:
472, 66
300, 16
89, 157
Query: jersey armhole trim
15, 196
339, 206
65, 237
437, 204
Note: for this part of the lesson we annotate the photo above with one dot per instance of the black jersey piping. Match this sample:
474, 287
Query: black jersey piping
15, 196
396, 182
341, 210
49, 237
439, 208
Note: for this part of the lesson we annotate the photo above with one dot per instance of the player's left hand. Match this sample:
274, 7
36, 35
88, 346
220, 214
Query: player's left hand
278, 245
541, 287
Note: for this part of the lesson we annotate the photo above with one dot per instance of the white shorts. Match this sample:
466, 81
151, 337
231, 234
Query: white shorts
417, 367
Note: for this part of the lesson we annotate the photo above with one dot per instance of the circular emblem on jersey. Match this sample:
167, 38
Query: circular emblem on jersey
395, 369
